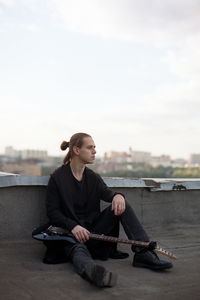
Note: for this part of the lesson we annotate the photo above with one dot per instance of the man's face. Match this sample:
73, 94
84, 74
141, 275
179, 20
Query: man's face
87, 152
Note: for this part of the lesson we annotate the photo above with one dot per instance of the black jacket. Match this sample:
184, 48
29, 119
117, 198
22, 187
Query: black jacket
59, 201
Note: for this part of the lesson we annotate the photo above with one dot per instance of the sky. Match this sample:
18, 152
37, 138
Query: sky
125, 71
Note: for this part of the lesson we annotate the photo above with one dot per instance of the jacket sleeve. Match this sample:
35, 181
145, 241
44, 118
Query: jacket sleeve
53, 206
106, 194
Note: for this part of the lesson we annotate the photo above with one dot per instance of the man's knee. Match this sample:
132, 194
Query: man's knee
108, 212
128, 209
127, 205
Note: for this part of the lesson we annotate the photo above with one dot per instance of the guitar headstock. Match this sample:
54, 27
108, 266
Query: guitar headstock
164, 252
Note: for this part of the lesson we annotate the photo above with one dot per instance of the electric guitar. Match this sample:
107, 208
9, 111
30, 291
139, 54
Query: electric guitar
58, 233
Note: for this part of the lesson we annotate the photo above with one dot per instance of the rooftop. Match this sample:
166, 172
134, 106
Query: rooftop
170, 215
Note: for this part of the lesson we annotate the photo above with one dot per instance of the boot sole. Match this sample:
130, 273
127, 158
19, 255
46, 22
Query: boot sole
140, 265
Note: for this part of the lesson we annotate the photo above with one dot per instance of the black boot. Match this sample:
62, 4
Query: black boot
99, 276
149, 259
54, 257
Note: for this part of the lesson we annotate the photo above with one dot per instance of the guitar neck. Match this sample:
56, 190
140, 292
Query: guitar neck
106, 238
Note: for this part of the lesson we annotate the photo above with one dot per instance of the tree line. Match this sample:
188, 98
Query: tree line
145, 170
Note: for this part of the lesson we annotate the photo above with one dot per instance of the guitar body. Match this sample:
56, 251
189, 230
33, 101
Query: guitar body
46, 237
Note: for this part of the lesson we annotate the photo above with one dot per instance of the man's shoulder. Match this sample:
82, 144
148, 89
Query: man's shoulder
92, 173
59, 171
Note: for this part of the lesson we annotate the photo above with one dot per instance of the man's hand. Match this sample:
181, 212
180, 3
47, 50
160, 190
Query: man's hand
81, 234
118, 204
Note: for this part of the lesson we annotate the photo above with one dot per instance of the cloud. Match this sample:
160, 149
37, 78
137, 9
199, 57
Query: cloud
166, 120
31, 28
159, 22
174, 25
6, 3
184, 62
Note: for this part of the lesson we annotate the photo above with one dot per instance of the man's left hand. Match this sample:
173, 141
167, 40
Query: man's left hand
118, 204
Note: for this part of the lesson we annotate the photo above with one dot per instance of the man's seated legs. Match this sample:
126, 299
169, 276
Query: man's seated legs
86, 267
134, 231
143, 257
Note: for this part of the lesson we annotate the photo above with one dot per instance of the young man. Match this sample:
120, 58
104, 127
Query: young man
73, 200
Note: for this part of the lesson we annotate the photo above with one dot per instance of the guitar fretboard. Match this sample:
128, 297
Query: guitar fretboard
107, 238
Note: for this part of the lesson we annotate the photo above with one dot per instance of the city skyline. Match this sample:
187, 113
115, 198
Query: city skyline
126, 72
59, 152
12, 151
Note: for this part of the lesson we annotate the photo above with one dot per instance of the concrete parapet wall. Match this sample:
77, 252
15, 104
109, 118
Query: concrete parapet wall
157, 202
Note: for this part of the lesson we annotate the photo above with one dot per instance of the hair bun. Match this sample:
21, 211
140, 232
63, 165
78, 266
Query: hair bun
64, 145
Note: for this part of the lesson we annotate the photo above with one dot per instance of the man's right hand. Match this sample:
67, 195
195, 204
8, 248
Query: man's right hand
80, 233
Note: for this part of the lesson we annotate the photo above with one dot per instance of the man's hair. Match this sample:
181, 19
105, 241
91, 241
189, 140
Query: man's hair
75, 140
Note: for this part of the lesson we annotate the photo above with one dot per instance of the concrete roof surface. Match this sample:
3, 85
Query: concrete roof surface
23, 276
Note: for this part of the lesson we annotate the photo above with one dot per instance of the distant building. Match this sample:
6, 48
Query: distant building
26, 154
11, 152
194, 159
179, 163
33, 154
116, 157
163, 160
128, 157
139, 156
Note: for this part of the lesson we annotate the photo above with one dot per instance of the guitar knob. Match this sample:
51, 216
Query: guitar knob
152, 245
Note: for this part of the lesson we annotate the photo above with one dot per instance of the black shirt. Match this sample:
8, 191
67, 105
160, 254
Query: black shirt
80, 195
70, 202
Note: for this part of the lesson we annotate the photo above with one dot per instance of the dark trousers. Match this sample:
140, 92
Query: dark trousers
82, 254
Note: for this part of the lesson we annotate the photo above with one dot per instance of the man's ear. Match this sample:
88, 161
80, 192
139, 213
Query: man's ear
76, 150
